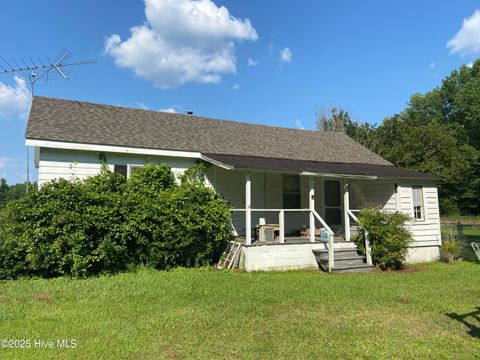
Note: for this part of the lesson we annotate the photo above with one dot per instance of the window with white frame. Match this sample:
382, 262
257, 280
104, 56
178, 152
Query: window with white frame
418, 211
133, 168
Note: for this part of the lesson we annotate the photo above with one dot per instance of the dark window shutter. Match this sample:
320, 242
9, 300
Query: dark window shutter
120, 169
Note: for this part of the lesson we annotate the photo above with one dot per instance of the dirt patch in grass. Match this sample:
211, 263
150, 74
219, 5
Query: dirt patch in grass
232, 354
402, 271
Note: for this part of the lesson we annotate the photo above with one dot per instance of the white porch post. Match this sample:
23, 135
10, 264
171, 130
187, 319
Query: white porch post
248, 209
311, 203
281, 224
346, 209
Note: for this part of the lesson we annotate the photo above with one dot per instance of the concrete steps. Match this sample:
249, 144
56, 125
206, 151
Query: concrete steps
345, 261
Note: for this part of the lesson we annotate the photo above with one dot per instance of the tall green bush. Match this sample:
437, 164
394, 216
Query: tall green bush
389, 239
107, 224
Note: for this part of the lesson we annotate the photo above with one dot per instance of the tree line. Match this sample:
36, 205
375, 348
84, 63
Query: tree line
438, 132
12, 192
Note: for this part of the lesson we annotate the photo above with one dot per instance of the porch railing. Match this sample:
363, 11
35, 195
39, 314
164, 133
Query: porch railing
331, 250
281, 223
368, 249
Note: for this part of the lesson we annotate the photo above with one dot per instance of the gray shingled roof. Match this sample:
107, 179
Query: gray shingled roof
82, 122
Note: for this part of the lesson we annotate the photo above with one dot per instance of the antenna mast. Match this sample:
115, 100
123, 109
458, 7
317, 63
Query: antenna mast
33, 72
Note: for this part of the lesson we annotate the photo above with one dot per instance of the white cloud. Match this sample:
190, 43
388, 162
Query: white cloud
470, 64
467, 40
286, 55
182, 41
141, 105
169, 110
15, 99
251, 62
298, 124
431, 66
236, 87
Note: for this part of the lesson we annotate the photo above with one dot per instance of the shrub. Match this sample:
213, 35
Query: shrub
451, 249
183, 225
108, 224
389, 239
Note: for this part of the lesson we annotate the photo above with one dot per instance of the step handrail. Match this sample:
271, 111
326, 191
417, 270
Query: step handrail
319, 218
352, 215
368, 248
331, 252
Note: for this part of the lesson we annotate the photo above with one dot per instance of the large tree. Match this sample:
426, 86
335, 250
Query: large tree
339, 120
438, 132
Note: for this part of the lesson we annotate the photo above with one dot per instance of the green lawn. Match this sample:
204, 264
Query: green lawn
209, 314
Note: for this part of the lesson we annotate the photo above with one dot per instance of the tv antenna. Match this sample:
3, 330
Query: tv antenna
34, 71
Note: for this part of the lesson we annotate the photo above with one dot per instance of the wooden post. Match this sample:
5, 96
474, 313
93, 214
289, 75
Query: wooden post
311, 203
346, 209
248, 209
281, 224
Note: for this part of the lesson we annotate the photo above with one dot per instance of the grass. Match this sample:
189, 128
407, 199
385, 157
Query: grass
210, 314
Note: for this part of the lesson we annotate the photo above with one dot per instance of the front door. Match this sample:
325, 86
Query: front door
333, 204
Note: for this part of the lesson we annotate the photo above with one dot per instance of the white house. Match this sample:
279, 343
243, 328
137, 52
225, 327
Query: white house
295, 181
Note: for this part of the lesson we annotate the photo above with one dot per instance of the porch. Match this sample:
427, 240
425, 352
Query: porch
323, 221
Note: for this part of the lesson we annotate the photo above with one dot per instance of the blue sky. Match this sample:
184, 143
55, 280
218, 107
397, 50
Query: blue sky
270, 62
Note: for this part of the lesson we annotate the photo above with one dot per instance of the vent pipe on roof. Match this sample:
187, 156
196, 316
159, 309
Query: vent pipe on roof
189, 112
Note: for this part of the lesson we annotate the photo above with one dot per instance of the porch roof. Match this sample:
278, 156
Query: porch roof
230, 161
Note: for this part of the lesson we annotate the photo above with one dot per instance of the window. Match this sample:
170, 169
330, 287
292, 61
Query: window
120, 169
417, 193
291, 192
132, 169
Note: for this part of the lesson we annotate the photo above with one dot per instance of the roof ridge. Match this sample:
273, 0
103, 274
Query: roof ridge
92, 123
336, 133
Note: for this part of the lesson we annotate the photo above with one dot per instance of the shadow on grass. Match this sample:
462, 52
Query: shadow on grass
470, 320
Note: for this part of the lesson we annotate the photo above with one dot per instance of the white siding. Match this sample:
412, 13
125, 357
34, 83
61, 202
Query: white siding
425, 232
376, 193
267, 192
75, 164
231, 185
